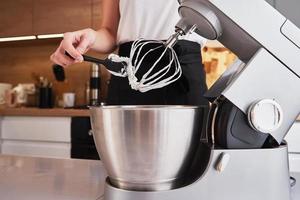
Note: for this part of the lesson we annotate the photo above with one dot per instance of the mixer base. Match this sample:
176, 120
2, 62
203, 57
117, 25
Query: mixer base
260, 174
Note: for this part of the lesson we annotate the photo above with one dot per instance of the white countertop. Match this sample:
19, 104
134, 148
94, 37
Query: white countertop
30, 178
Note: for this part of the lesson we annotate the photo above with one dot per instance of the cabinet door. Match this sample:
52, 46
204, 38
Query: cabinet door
40, 149
57, 16
15, 18
290, 9
36, 136
44, 129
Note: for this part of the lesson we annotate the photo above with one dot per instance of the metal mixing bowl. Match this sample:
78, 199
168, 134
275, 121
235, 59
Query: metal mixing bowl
146, 148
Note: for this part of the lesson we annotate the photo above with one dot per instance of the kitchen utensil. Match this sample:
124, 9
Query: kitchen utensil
45, 93
69, 99
44, 82
4, 88
146, 147
18, 96
95, 85
113, 67
152, 64
59, 73
21, 92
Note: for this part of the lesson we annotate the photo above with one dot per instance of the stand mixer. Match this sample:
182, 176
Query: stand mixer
242, 154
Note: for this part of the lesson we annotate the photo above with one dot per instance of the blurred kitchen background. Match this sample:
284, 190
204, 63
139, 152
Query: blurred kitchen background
43, 21
30, 31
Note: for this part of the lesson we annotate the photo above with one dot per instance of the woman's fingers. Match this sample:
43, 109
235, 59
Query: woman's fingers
68, 45
86, 39
84, 44
75, 44
60, 58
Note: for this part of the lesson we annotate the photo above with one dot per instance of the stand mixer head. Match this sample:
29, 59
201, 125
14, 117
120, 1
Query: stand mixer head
265, 113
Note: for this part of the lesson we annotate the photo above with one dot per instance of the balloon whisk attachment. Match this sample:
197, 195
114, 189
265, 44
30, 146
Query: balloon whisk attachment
174, 38
152, 64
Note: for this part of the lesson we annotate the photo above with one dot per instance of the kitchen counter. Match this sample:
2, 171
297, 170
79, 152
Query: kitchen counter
31, 178
53, 112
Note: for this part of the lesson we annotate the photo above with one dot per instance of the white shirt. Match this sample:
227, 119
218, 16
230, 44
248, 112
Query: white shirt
150, 19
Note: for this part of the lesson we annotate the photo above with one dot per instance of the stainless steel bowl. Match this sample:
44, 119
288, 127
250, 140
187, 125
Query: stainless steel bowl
146, 148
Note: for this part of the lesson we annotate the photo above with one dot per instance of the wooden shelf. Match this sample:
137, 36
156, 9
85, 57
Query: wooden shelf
37, 112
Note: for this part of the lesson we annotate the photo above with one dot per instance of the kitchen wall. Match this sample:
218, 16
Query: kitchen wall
23, 62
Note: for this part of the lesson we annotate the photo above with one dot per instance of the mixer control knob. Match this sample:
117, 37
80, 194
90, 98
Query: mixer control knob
265, 116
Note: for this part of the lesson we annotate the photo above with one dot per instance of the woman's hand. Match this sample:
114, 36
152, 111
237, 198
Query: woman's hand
79, 42
75, 43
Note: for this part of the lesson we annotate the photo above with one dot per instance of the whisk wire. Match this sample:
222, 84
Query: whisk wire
168, 80
155, 64
165, 70
143, 57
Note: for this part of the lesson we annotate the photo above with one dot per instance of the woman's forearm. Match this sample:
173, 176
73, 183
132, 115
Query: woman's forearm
106, 36
105, 41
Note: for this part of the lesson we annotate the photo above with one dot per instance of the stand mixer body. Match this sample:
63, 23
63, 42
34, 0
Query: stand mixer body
260, 174
243, 155
266, 44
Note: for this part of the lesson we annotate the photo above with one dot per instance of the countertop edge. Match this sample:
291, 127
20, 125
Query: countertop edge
51, 112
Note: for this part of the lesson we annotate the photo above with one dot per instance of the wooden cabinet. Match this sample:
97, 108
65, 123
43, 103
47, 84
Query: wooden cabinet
36, 136
16, 18
37, 17
56, 16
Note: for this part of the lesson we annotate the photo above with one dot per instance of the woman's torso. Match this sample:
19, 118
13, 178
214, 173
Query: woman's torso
149, 19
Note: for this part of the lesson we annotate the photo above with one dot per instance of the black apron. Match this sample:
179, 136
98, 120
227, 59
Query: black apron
187, 90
